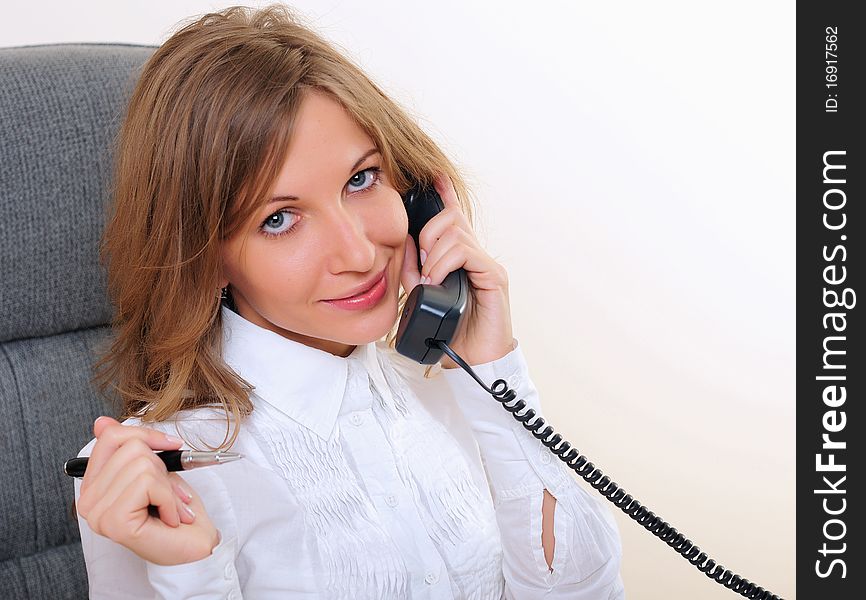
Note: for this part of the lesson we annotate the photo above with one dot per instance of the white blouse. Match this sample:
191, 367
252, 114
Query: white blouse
362, 479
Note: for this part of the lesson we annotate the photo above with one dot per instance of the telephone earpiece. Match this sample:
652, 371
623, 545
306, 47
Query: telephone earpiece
431, 312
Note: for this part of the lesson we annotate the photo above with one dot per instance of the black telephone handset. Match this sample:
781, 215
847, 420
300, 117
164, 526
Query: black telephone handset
429, 321
431, 312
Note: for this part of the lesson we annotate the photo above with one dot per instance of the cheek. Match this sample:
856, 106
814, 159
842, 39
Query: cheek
228, 260
264, 267
294, 275
391, 221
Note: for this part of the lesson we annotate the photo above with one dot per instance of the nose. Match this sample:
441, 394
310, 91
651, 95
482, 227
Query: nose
350, 247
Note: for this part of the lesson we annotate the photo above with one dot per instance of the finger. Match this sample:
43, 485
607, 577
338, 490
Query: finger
118, 463
440, 224
113, 435
433, 230
101, 423
190, 503
185, 513
443, 184
445, 187
195, 502
180, 488
93, 506
484, 272
454, 237
141, 468
140, 494
409, 274
452, 259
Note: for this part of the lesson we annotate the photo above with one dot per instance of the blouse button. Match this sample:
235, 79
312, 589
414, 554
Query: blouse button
229, 572
431, 578
356, 419
545, 456
391, 500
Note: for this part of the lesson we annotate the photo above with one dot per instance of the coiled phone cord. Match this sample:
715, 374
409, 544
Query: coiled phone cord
630, 506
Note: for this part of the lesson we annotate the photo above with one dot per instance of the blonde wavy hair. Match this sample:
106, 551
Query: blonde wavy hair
204, 135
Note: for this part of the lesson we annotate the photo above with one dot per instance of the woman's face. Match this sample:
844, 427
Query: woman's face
346, 226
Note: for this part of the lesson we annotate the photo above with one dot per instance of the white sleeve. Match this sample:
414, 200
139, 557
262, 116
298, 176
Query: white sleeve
587, 549
115, 572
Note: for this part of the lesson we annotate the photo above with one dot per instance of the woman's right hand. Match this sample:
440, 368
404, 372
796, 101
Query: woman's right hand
123, 478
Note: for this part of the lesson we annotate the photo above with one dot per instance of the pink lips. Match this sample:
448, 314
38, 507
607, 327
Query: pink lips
366, 299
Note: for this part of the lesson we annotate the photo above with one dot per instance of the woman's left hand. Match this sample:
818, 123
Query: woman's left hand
447, 244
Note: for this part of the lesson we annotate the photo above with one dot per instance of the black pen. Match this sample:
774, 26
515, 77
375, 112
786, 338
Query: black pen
175, 460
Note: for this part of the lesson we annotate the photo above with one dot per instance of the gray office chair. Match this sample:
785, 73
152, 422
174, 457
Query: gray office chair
60, 107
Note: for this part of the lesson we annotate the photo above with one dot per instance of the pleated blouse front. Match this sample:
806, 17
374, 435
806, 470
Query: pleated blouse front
363, 479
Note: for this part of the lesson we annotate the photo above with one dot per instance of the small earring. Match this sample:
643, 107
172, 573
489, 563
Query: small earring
224, 294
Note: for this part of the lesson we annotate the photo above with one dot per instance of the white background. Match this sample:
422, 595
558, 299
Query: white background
635, 169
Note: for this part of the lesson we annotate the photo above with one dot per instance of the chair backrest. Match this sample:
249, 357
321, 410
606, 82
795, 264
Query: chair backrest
60, 108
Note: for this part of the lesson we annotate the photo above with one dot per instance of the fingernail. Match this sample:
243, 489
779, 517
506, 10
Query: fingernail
182, 492
97, 420
188, 510
423, 256
172, 440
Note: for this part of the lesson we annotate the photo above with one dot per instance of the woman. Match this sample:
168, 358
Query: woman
258, 180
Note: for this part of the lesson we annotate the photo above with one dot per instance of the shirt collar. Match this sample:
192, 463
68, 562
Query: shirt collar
302, 382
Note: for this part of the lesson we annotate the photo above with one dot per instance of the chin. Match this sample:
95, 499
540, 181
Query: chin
374, 327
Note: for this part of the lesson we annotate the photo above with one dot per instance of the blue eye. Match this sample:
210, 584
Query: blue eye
370, 175
277, 220
369, 178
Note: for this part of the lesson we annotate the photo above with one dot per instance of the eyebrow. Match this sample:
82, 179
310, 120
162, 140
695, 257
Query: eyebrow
357, 164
